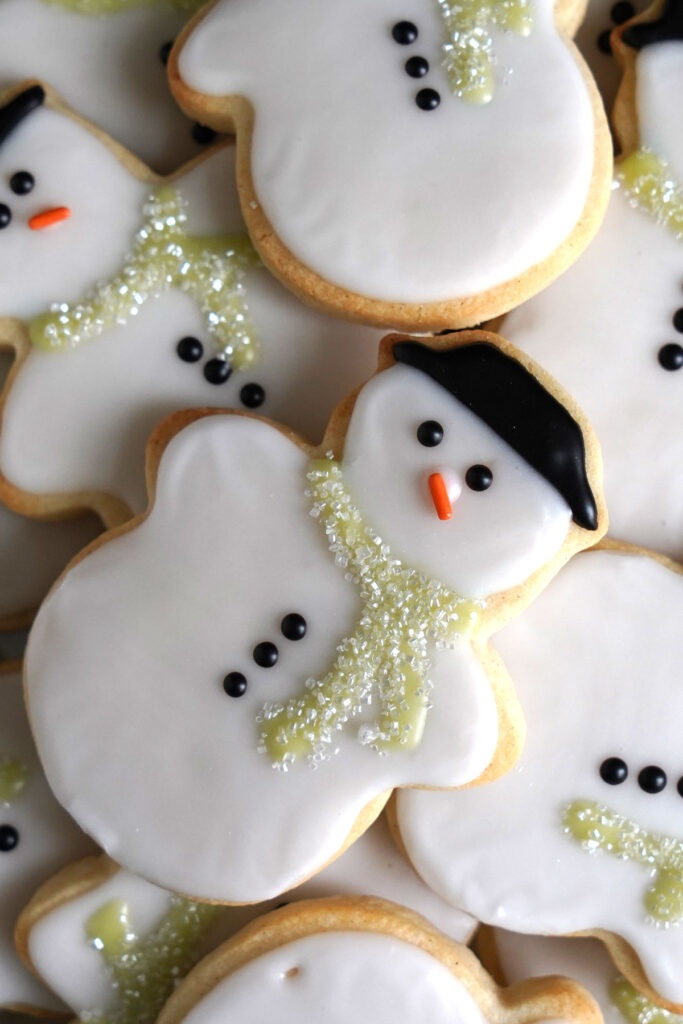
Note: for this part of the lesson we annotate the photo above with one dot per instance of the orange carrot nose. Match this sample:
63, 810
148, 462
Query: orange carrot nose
442, 503
49, 217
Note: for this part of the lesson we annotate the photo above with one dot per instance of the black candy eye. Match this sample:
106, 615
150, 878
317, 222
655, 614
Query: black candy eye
622, 11
613, 771
428, 99
9, 838
5, 215
479, 478
671, 356
404, 33
235, 684
293, 626
652, 779
265, 654
202, 134
22, 183
417, 67
679, 786
190, 349
217, 371
252, 395
677, 320
430, 433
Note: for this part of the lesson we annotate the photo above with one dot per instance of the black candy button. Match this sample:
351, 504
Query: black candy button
404, 33
613, 771
252, 395
190, 349
5, 215
265, 654
235, 684
293, 626
622, 11
202, 134
9, 838
428, 99
217, 371
417, 67
430, 433
479, 478
652, 779
22, 183
679, 786
671, 356
678, 320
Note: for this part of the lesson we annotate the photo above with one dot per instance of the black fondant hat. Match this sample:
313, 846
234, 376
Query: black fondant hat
19, 107
510, 400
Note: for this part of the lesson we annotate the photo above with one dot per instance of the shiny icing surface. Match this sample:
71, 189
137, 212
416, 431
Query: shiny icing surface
341, 976
47, 840
101, 400
106, 66
501, 852
598, 329
74, 969
659, 79
531, 147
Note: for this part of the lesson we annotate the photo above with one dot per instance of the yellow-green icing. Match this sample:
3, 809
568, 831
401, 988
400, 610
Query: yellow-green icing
635, 1008
115, 6
145, 970
211, 269
598, 828
468, 51
647, 180
385, 660
13, 776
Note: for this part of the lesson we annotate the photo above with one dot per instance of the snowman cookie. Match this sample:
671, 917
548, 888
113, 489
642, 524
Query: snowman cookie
94, 930
36, 839
310, 623
511, 957
107, 59
611, 328
585, 834
427, 165
128, 297
337, 960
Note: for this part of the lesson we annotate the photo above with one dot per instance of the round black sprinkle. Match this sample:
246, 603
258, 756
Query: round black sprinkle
671, 356
678, 320
252, 395
622, 11
22, 182
190, 349
428, 99
235, 684
165, 52
417, 67
217, 371
293, 626
613, 771
9, 838
265, 654
604, 44
5, 215
652, 779
430, 433
479, 478
404, 32
202, 134
679, 786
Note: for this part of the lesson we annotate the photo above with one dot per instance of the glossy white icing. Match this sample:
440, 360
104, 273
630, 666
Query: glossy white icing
100, 401
68, 962
595, 659
407, 218
231, 507
106, 66
48, 840
659, 86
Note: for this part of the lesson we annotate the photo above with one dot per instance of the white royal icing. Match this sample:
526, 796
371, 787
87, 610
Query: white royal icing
106, 66
595, 661
659, 87
48, 840
69, 963
100, 401
372, 193
231, 507
340, 976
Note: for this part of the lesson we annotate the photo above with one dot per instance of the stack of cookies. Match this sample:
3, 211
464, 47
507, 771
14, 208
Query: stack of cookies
341, 386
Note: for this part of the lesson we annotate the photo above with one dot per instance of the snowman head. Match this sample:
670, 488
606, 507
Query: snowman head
61, 196
488, 471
